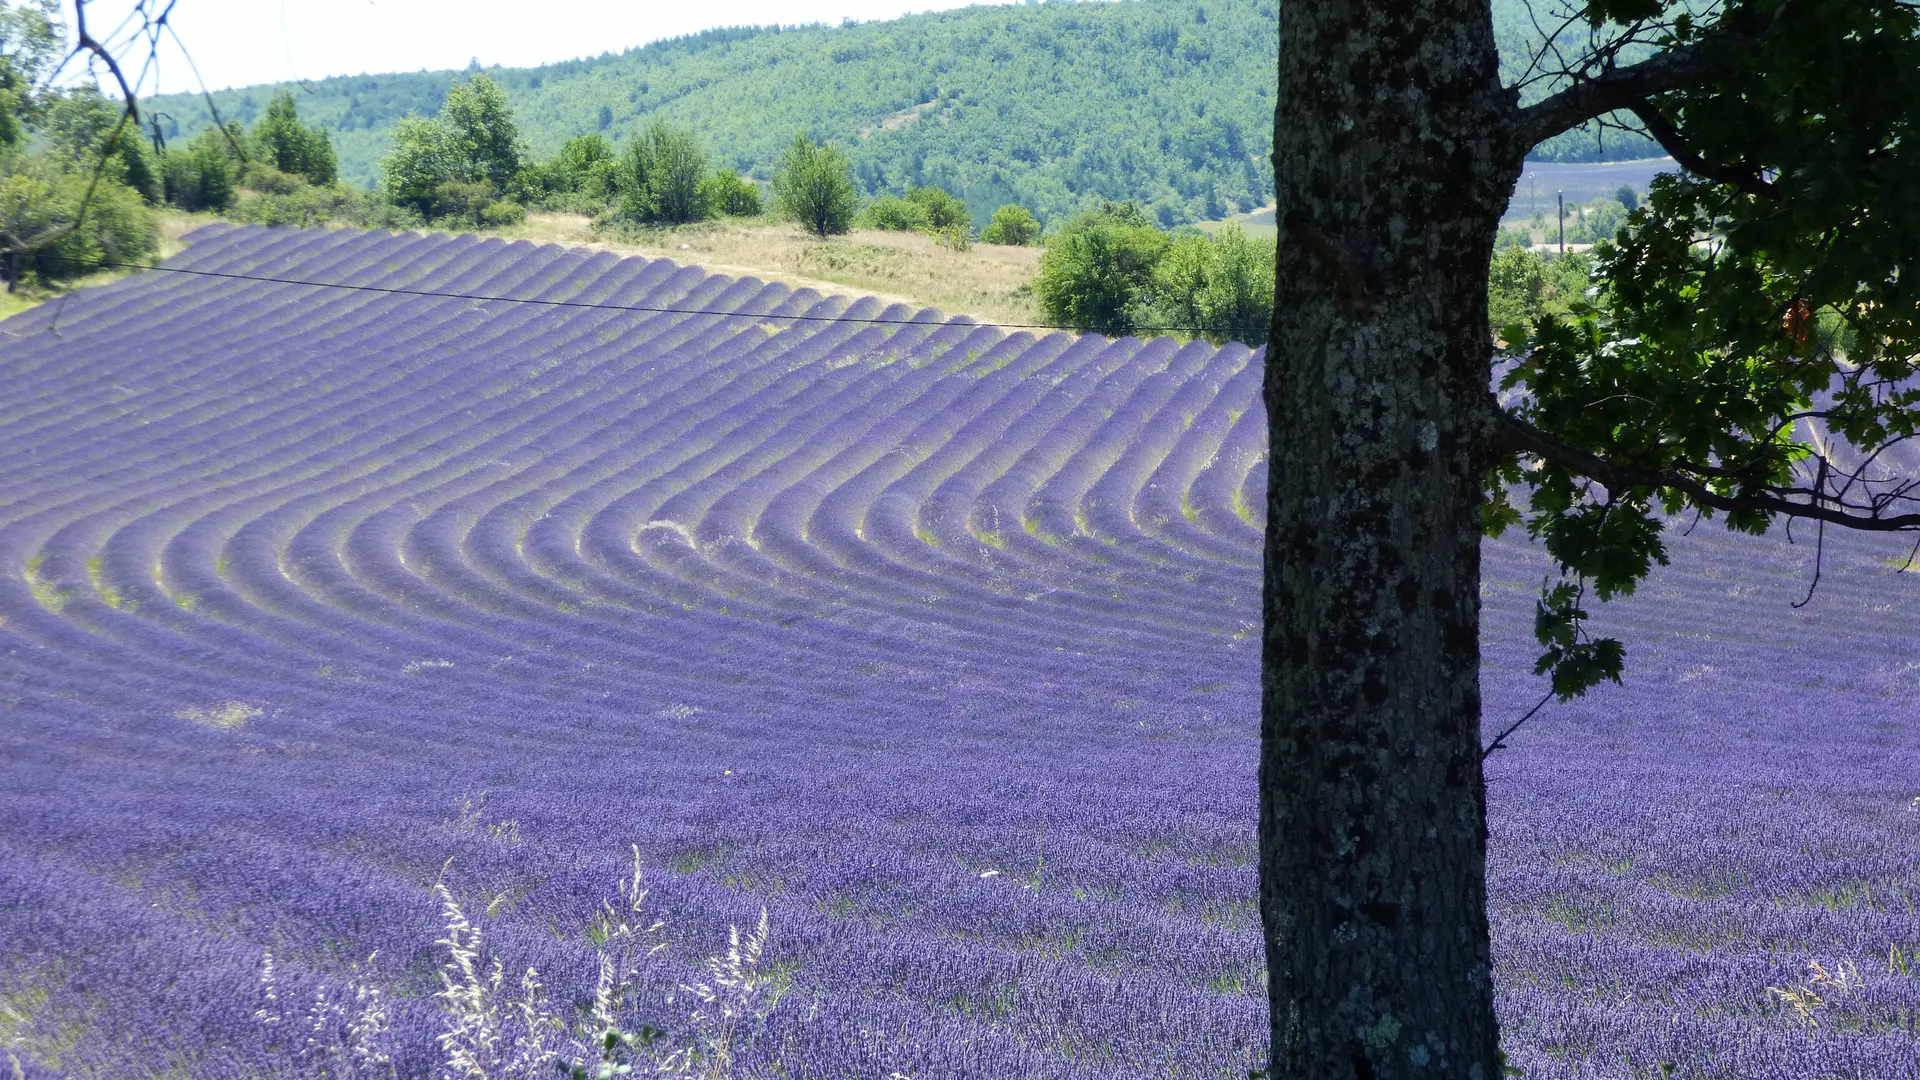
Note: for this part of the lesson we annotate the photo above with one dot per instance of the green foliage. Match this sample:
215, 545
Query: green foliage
31, 41
282, 142
944, 212
453, 167
1523, 285
929, 210
300, 205
1219, 287
1098, 268
83, 129
199, 176
730, 194
956, 237
1723, 309
40, 206
894, 214
1011, 225
78, 201
1596, 221
472, 204
483, 141
814, 186
582, 175
660, 177
421, 160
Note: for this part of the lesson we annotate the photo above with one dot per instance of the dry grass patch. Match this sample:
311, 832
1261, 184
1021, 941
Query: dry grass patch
226, 716
989, 282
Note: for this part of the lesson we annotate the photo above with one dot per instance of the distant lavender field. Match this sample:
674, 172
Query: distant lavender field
935, 641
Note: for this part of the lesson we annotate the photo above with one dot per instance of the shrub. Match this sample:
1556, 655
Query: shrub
264, 177
584, 166
1011, 225
1524, 285
502, 212
200, 176
302, 206
894, 214
943, 210
1096, 270
731, 194
955, 237
1218, 287
283, 143
661, 182
814, 186
117, 226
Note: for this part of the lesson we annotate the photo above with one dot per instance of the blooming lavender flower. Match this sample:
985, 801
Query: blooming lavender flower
933, 644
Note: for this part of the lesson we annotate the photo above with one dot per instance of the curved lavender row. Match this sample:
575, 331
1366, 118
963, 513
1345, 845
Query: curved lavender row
334, 586
198, 335
1007, 446
1165, 505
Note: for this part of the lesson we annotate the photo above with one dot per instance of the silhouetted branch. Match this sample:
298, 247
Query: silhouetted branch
1670, 140
1517, 436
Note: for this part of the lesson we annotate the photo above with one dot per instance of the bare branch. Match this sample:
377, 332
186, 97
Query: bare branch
1500, 741
84, 42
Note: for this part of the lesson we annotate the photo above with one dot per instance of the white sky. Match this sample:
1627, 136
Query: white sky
242, 42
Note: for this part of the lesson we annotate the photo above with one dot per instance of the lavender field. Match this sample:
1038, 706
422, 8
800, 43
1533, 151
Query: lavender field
934, 641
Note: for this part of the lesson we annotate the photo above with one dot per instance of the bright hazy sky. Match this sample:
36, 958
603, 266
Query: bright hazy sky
241, 42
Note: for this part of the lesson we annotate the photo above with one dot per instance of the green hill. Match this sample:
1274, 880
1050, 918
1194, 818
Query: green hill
1168, 102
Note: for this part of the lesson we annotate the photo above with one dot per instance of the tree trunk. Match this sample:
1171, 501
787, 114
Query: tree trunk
1393, 160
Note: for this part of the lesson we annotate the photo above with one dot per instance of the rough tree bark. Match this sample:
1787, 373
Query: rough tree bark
1394, 155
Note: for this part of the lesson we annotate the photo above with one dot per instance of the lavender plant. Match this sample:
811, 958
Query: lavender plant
846, 624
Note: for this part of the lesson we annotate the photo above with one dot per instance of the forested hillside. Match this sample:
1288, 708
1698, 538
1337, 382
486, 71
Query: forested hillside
1166, 102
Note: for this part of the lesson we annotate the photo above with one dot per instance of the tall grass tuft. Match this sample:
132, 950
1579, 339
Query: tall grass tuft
501, 1029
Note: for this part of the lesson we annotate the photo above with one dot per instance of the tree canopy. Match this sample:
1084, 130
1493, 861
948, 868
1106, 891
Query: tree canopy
1744, 351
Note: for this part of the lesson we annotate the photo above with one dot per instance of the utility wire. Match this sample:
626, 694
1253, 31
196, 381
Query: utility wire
394, 290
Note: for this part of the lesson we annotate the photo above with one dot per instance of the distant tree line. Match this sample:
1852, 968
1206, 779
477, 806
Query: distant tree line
1112, 269
1168, 104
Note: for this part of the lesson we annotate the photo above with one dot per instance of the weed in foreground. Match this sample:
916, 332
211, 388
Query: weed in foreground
501, 1029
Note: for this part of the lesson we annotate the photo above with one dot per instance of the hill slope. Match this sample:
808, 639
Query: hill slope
1168, 102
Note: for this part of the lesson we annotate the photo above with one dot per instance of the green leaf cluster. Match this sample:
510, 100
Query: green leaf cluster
1769, 288
1524, 285
923, 209
1219, 287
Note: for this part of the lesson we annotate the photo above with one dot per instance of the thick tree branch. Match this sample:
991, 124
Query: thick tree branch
1611, 91
1516, 436
85, 42
1675, 145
